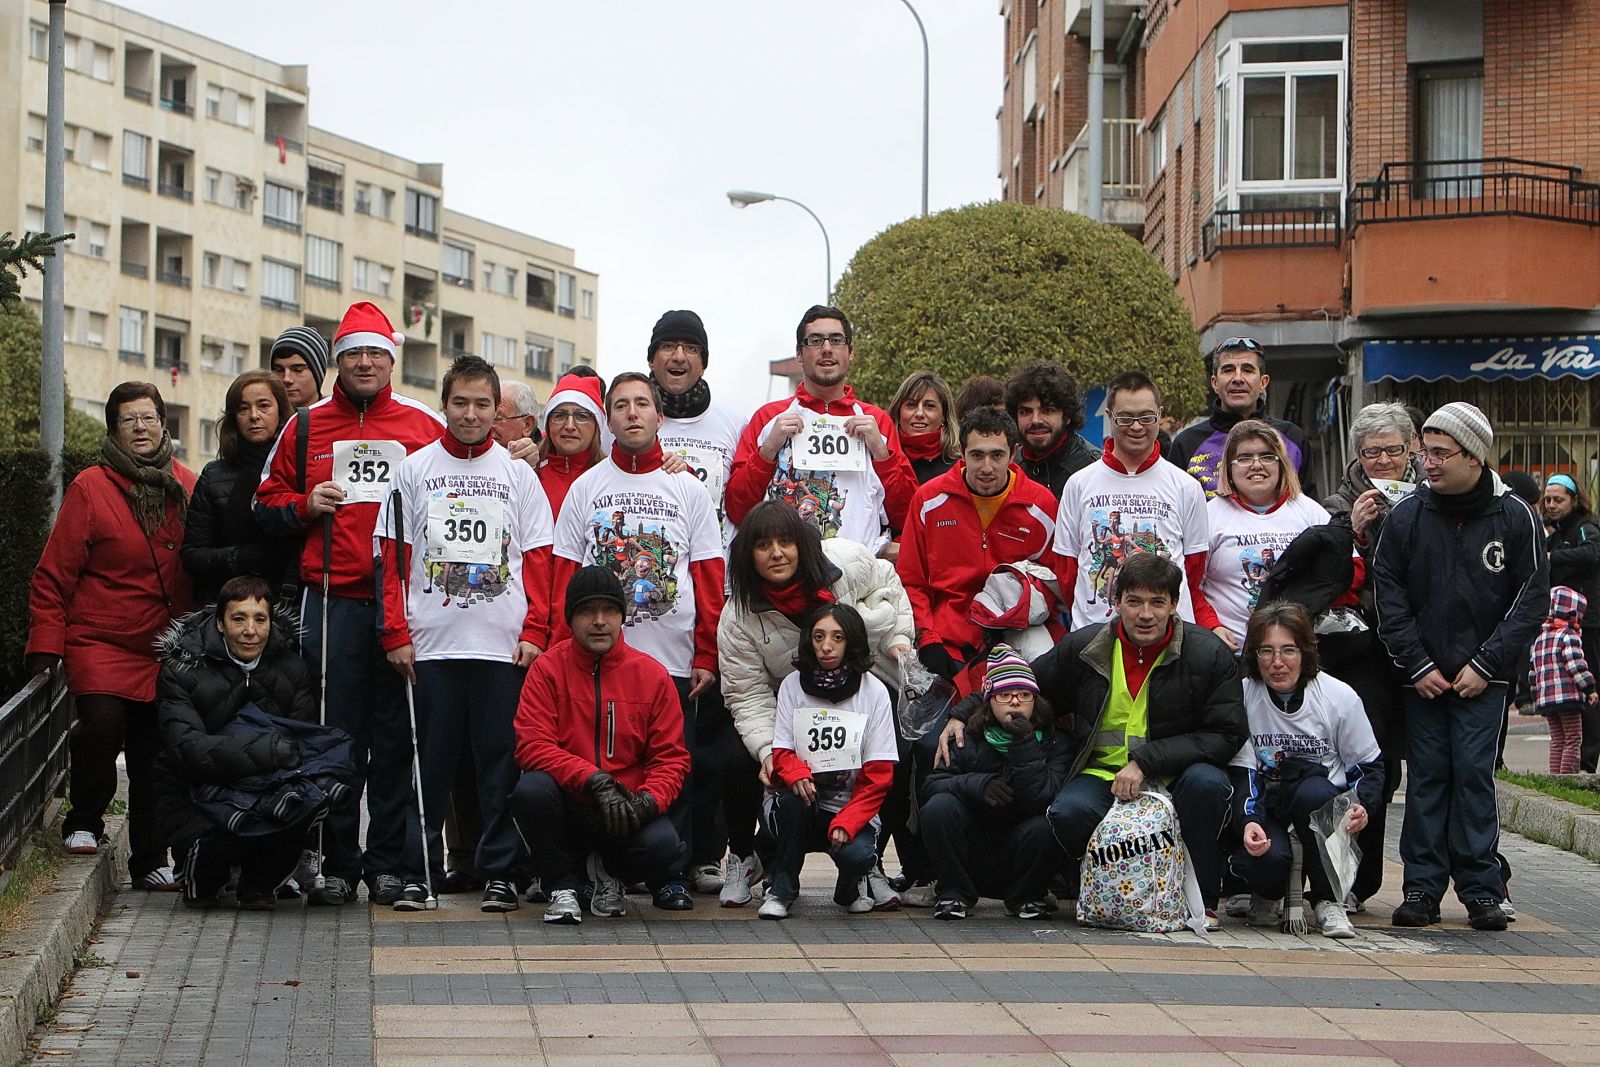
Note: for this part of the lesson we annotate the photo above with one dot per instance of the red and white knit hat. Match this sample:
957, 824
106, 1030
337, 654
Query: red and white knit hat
366, 326
583, 391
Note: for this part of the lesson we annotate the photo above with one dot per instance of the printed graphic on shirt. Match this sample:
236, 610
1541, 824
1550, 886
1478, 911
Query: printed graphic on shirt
1273, 749
1116, 535
816, 495
1255, 563
635, 548
467, 554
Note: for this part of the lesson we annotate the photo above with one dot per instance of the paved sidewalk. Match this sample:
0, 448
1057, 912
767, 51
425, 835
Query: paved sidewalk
653, 989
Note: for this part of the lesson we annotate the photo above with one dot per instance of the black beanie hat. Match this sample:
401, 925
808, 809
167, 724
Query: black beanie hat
593, 583
679, 326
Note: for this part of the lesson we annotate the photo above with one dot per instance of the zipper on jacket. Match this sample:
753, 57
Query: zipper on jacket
611, 728
597, 711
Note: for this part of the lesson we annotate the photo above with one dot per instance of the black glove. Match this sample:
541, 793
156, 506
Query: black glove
644, 808
939, 661
997, 792
284, 753
1019, 726
612, 801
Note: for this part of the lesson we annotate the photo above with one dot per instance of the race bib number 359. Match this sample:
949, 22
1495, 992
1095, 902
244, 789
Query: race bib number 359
364, 469
829, 739
824, 446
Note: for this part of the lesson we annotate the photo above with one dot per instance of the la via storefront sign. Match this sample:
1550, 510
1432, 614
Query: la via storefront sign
1576, 356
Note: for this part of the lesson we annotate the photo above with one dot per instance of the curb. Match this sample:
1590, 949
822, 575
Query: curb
1542, 818
39, 954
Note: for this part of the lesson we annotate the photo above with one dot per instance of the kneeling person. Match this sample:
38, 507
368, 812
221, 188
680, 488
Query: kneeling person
600, 744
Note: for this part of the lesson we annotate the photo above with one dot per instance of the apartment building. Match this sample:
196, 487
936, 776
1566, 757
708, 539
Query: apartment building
1390, 194
210, 215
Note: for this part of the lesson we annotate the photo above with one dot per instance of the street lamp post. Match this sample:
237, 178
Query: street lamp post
743, 198
924, 32
52, 373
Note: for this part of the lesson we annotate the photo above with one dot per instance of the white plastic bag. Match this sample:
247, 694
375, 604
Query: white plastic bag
1336, 846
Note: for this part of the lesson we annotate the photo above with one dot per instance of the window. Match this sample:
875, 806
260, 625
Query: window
566, 298
566, 356
130, 332
99, 236
1280, 113
33, 219
229, 105
322, 262
1450, 127
370, 277
489, 270
100, 152
38, 41
501, 351
374, 200
586, 304
36, 132
280, 206
135, 159
325, 187
212, 186
538, 351
1155, 139
211, 353
280, 285
224, 272
208, 436
457, 265
91, 328
541, 288
422, 214
498, 279
238, 352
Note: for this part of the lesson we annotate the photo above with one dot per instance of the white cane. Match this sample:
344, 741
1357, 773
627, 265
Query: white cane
403, 571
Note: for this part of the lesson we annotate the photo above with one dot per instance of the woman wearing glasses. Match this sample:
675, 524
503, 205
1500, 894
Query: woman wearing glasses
109, 582
572, 421
1384, 469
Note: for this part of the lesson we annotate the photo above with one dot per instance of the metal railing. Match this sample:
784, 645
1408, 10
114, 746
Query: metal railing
280, 305
177, 107
133, 92
326, 197
177, 192
173, 277
127, 355
421, 381
1475, 188
133, 181
280, 224
135, 270
1293, 227
289, 143
33, 755
324, 283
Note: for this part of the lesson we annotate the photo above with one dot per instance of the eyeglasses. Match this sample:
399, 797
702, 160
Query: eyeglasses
666, 348
1265, 654
1392, 451
1135, 420
128, 422
1266, 459
363, 355
817, 340
1013, 696
576, 416
1439, 455
498, 419
1249, 344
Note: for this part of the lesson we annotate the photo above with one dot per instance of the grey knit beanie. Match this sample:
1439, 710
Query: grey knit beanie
1469, 426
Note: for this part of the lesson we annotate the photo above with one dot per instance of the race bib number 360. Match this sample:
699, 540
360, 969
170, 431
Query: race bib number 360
364, 469
824, 446
464, 529
829, 739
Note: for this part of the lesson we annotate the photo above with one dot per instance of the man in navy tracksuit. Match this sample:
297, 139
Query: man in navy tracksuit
1461, 580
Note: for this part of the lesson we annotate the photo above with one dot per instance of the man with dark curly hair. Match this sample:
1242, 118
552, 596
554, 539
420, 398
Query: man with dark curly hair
1043, 399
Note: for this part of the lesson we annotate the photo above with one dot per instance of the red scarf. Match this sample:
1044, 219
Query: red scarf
1138, 659
923, 445
795, 602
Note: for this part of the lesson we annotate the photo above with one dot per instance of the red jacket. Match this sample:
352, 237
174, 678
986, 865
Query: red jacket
752, 472
619, 713
103, 591
281, 508
556, 475
946, 554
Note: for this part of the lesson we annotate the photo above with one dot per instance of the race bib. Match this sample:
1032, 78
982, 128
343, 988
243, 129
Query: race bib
829, 739
465, 529
363, 468
1393, 491
707, 468
824, 446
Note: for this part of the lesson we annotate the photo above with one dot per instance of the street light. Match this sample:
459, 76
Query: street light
924, 32
743, 198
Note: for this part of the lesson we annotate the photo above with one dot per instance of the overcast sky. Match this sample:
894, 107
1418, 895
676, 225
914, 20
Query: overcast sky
617, 126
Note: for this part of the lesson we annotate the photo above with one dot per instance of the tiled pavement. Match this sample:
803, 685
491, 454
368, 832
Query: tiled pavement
458, 986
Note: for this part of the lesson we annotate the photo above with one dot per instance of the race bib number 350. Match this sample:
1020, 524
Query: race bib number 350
364, 469
464, 529
829, 739
824, 446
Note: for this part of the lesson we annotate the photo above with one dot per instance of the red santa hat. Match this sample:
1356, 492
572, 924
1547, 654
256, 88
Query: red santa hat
366, 326
582, 391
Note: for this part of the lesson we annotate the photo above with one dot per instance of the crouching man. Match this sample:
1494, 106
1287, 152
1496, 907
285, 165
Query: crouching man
600, 744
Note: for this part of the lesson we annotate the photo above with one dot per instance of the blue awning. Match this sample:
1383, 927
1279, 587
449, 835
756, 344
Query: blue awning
1520, 358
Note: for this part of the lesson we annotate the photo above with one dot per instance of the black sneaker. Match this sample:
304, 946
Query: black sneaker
1418, 909
335, 891
674, 896
950, 909
1485, 914
499, 895
413, 897
385, 889
455, 881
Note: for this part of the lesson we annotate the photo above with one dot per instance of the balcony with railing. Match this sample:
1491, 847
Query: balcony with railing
1121, 190
1296, 227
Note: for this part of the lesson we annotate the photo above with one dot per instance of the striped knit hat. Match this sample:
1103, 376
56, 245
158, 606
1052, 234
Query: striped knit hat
1007, 670
306, 342
1469, 426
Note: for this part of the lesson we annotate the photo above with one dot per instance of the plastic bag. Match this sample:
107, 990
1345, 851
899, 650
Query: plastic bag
925, 698
1336, 846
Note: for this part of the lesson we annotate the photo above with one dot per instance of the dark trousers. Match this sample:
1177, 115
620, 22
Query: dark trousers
470, 704
263, 862
1268, 873
798, 828
726, 798
1200, 795
366, 699
1452, 825
463, 823
1589, 754
682, 811
560, 834
982, 853
104, 726
1358, 660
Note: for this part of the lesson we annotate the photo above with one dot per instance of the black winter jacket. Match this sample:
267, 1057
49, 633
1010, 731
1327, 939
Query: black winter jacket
1195, 707
1198, 448
1574, 547
222, 541
1036, 770
1053, 469
1451, 592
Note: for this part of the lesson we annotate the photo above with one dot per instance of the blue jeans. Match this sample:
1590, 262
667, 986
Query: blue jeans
797, 828
1452, 822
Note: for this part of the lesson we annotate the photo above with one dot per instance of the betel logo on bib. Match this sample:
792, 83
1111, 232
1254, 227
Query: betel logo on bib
465, 529
364, 469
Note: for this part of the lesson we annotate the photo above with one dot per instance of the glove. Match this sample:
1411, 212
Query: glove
644, 808
1019, 726
284, 753
997, 792
939, 661
612, 801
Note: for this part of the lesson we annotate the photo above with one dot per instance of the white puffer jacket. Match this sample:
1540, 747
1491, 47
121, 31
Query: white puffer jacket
757, 650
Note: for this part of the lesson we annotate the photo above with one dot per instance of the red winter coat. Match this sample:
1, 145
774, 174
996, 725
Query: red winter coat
556, 475
99, 598
281, 507
619, 714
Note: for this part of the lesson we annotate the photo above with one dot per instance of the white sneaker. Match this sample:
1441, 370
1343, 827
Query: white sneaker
737, 874
919, 895
1332, 921
884, 898
1509, 910
1352, 905
564, 908
707, 878
160, 880
773, 908
608, 901
863, 902
81, 843
1238, 906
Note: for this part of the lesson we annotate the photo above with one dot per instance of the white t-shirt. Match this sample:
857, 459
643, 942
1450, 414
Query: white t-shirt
845, 504
468, 522
877, 733
1244, 546
1329, 727
1107, 516
707, 443
647, 529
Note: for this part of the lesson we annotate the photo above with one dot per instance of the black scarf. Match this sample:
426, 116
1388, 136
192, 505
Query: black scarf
690, 405
1472, 502
834, 686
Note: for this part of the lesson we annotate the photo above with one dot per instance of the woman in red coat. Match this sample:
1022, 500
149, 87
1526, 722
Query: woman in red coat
109, 582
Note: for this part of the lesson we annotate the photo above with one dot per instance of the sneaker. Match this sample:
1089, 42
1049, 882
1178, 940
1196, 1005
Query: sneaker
499, 895
252, 899
81, 843
608, 901
455, 881
707, 878
1237, 906
536, 893
884, 898
413, 897
863, 901
773, 908
1510, 910
1213, 924
674, 896
160, 880
385, 889
737, 875
1418, 909
564, 908
1332, 921
335, 891
1263, 912
1485, 914
949, 909
1353, 905
919, 895
900, 882
1032, 909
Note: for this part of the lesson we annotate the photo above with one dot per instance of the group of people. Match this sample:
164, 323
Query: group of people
644, 639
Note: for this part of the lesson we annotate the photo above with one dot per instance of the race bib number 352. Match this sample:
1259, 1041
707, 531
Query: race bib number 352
824, 446
829, 739
364, 469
